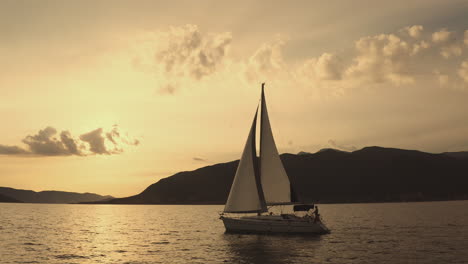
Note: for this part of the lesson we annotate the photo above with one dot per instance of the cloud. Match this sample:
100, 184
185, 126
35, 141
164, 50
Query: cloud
465, 40
95, 140
118, 139
199, 159
183, 52
418, 47
181, 56
382, 58
334, 144
188, 51
69, 143
463, 71
168, 89
414, 31
268, 59
400, 58
113, 135
11, 150
441, 36
451, 50
447, 41
374, 60
327, 67
47, 143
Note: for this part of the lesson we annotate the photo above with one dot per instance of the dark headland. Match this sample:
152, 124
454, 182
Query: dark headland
372, 174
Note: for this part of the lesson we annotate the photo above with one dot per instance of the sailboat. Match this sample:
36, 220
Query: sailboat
261, 183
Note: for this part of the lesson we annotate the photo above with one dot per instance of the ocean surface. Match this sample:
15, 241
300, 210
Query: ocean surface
429, 232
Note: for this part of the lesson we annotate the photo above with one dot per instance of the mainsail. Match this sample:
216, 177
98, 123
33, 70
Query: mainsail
275, 181
246, 194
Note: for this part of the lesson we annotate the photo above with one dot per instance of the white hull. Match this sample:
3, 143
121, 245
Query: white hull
274, 224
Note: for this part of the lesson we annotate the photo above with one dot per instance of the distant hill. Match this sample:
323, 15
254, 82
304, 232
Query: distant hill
6, 199
458, 155
29, 196
372, 174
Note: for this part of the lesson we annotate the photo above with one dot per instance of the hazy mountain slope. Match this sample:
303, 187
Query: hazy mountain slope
29, 196
6, 199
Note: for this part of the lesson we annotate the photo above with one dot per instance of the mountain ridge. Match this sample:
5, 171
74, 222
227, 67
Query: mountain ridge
50, 196
371, 174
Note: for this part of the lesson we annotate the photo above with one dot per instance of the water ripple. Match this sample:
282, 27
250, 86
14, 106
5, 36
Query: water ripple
362, 233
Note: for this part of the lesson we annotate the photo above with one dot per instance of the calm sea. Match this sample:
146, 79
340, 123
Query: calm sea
433, 232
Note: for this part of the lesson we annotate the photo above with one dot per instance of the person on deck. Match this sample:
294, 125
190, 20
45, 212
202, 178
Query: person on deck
316, 214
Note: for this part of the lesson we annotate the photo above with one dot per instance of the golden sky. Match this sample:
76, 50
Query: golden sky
111, 96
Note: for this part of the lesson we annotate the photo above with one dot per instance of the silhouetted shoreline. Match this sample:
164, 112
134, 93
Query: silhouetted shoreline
369, 175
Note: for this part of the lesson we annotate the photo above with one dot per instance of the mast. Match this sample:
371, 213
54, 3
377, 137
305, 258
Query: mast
257, 167
257, 164
262, 102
